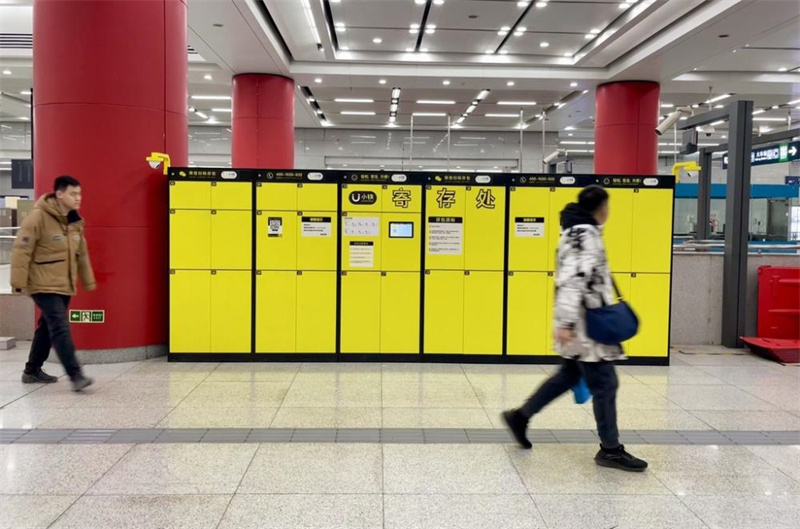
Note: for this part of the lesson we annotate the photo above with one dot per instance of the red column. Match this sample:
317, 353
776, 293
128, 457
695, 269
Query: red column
626, 116
263, 121
110, 86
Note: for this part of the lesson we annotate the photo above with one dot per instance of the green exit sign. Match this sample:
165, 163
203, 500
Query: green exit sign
87, 316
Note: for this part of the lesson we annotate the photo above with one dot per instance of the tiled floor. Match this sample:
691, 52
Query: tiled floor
289, 475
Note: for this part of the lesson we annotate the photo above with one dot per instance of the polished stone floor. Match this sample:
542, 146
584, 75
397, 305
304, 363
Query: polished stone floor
705, 394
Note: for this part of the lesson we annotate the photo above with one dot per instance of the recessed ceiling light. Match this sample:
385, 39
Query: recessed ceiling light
419, 2
489, 52
25, 118
783, 69
25, 92
594, 31
438, 2
573, 84
377, 40
344, 48
382, 81
570, 134
430, 30
317, 80
718, 98
541, 4
353, 100
522, 4
588, 36
544, 44
503, 52
624, 6
446, 82
510, 83
667, 105
319, 112
208, 77
409, 50
568, 54
502, 33
424, 50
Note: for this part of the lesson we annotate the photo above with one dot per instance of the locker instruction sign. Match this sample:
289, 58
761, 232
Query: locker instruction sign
87, 316
316, 226
361, 226
529, 226
362, 254
446, 235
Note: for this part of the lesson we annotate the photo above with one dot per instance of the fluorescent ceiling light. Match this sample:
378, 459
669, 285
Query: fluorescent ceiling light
489, 52
783, 69
573, 84
200, 114
473, 137
522, 4
344, 48
430, 114
350, 100
221, 110
382, 81
793, 102
357, 113
318, 80
470, 109
570, 142
409, 50
757, 112
208, 77
424, 50
362, 143
311, 21
6, 72
770, 119
544, 44
446, 82
212, 98
363, 137
435, 102
25, 92
624, 6
395, 93
502, 115
517, 103
569, 128
419, 2
594, 31
510, 83
393, 107
718, 98
667, 105
720, 122
483, 95
438, 2
588, 36
377, 40
540, 5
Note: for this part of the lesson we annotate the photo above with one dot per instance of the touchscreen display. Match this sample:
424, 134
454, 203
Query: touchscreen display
401, 230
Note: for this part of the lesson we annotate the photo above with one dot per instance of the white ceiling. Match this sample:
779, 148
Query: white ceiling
679, 43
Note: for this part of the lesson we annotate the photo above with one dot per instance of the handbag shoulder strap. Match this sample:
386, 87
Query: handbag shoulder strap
616, 288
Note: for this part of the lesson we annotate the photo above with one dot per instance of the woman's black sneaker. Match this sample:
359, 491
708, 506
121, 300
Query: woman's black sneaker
620, 459
518, 426
40, 377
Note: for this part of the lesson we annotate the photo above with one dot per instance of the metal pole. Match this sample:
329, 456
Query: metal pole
544, 118
703, 229
737, 220
521, 125
411, 148
674, 144
448, 143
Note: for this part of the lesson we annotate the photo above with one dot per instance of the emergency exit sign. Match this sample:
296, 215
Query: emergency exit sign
783, 152
87, 316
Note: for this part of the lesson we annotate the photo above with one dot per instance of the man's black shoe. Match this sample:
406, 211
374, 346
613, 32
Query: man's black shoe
81, 382
40, 377
518, 425
620, 459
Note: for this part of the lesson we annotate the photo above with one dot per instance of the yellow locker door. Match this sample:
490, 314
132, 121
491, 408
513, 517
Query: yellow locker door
551, 299
618, 231
316, 312
231, 312
444, 312
190, 239
276, 240
361, 316
276, 312
400, 312
484, 241
317, 197
316, 240
483, 313
402, 199
232, 195
400, 238
652, 231
276, 197
231, 240
650, 297
190, 195
361, 241
528, 324
190, 311
529, 228
444, 243
559, 198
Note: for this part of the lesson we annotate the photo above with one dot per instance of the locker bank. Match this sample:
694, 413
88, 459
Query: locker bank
280, 265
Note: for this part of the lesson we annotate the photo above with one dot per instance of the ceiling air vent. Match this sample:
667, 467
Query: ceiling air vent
16, 41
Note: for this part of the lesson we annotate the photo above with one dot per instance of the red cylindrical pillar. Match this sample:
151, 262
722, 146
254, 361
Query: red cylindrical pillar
110, 87
263, 121
626, 116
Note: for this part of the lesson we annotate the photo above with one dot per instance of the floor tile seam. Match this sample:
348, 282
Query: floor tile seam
506, 450
288, 389
238, 486
696, 515
91, 485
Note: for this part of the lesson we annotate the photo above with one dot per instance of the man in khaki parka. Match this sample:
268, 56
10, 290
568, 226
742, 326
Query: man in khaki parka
49, 255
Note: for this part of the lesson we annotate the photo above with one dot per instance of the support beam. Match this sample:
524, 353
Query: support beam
737, 215
703, 228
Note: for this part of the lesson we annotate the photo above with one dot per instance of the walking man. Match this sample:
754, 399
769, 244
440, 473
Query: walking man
49, 255
583, 280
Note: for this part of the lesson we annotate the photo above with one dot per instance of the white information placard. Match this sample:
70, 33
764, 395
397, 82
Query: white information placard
445, 235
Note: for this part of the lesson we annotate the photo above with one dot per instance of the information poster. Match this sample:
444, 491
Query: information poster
362, 254
529, 226
361, 226
316, 226
445, 235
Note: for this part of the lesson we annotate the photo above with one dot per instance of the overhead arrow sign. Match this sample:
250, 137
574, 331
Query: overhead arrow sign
780, 153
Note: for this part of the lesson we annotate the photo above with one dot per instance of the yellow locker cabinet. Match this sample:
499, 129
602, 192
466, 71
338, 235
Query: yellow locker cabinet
380, 256
296, 224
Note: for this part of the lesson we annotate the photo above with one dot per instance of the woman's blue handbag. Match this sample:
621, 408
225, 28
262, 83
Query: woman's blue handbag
581, 391
612, 324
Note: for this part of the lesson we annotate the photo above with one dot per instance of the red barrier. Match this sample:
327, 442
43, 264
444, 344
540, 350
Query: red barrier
779, 302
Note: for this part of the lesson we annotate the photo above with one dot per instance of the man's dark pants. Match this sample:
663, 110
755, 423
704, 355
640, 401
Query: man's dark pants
53, 330
603, 383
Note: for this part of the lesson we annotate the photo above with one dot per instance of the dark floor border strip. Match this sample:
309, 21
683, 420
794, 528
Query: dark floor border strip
387, 436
